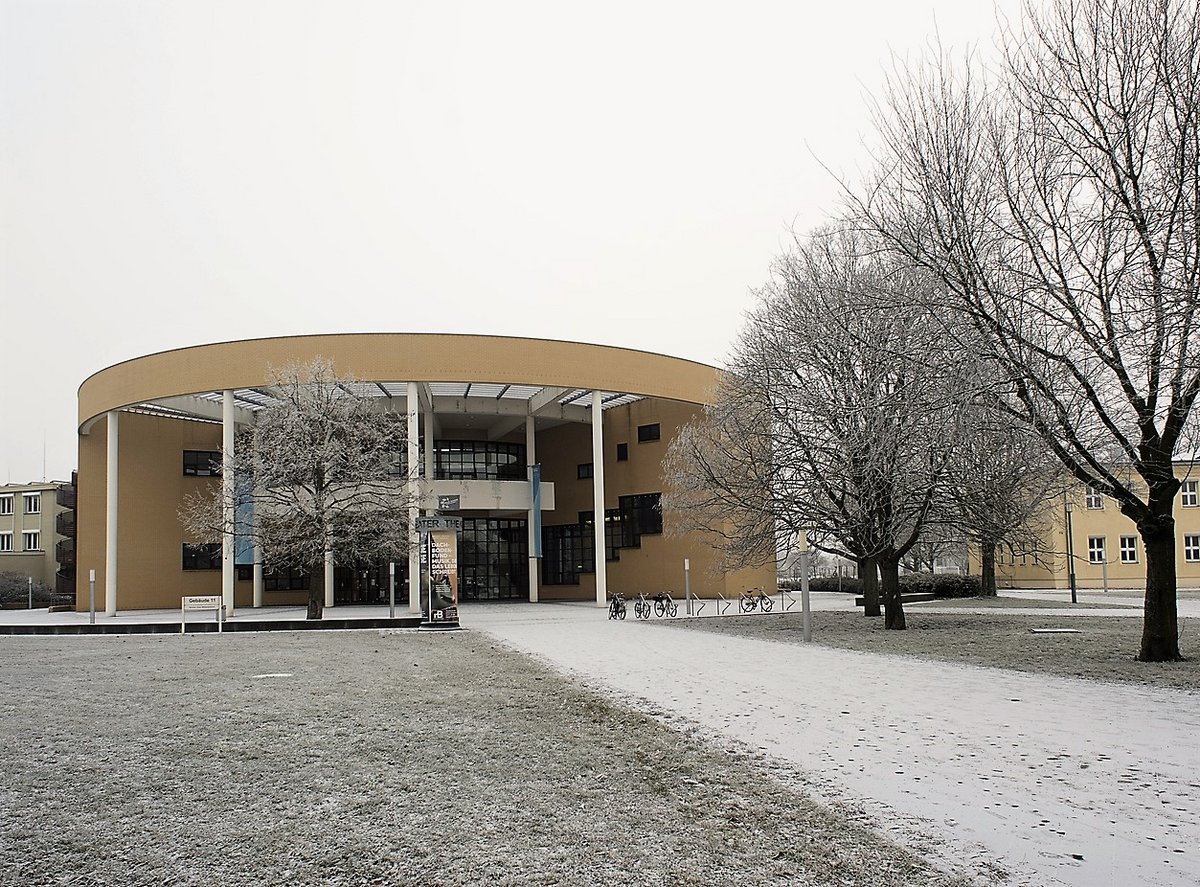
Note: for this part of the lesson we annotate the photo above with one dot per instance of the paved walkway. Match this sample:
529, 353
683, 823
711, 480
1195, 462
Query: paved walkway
1062, 781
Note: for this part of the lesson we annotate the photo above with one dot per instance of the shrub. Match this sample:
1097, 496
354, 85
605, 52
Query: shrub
14, 589
941, 586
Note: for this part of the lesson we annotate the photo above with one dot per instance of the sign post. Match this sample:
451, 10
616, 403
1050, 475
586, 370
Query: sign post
391, 589
213, 602
439, 571
92, 597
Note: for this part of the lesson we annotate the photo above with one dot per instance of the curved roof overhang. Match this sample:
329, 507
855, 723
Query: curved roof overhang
500, 379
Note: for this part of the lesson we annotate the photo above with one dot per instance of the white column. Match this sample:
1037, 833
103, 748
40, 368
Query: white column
598, 497
228, 540
531, 460
110, 520
413, 492
329, 579
258, 576
430, 466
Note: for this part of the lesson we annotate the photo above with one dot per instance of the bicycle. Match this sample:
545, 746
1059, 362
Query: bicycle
641, 606
755, 599
664, 604
616, 607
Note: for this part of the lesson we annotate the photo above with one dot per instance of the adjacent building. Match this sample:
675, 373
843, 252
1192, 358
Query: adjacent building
483, 413
37, 528
1085, 532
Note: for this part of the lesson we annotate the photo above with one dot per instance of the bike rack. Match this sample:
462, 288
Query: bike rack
723, 605
791, 601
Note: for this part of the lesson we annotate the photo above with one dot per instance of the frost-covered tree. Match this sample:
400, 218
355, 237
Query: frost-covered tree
839, 407
1058, 201
319, 472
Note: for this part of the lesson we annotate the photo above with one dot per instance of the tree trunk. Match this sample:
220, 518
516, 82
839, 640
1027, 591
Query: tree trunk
987, 568
889, 586
316, 592
1160, 622
868, 574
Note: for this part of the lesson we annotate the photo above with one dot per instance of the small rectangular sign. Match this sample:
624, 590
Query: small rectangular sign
202, 602
448, 503
432, 524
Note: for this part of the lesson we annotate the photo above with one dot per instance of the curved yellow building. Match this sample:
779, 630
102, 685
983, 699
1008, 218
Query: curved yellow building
483, 409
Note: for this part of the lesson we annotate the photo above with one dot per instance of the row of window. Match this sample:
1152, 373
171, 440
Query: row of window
1098, 552
32, 503
569, 550
1189, 496
646, 433
32, 540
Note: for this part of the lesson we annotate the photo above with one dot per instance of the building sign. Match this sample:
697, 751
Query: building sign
448, 503
439, 568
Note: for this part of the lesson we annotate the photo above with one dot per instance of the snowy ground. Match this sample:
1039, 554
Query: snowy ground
1064, 781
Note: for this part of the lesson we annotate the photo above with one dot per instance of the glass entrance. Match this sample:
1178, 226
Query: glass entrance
368, 583
493, 559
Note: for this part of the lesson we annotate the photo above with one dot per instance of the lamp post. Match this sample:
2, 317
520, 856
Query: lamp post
1071, 555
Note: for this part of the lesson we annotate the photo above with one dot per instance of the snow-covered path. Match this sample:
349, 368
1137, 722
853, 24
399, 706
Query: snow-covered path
1061, 780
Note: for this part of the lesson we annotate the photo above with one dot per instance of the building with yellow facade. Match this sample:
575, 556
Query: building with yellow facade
482, 412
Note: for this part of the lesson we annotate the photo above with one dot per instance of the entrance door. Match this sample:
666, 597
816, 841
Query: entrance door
368, 584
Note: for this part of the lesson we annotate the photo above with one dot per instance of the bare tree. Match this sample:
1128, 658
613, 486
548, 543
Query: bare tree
839, 406
1002, 477
1060, 204
319, 470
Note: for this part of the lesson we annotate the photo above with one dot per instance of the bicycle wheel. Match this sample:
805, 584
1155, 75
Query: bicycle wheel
642, 609
621, 611
745, 605
672, 609
659, 608
766, 603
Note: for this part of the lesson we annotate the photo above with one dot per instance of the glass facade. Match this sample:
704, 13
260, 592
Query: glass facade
470, 460
493, 559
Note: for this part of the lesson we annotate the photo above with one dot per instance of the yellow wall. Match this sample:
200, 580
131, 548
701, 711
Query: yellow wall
1049, 568
152, 484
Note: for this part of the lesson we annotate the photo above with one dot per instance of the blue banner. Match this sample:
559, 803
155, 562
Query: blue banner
537, 511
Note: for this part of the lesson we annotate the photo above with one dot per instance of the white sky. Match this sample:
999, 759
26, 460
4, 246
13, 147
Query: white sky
174, 173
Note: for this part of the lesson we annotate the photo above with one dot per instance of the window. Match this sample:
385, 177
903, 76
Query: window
33, 503
612, 537
622, 452
6, 503
205, 556
1190, 494
1094, 499
1096, 550
1129, 553
584, 470
201, 463
279, 579
5, 541
33, 540
1191, 549
648, 433
642, 514
478, 460
562, 554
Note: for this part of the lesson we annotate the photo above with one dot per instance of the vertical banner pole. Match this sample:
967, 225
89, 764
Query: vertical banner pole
391, 589
92, 597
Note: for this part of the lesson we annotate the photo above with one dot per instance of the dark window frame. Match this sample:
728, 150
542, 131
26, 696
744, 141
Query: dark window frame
585, 471
649, 433
203, 463
622, 452
201, 556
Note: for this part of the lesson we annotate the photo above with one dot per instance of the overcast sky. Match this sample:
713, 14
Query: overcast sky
175, 173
